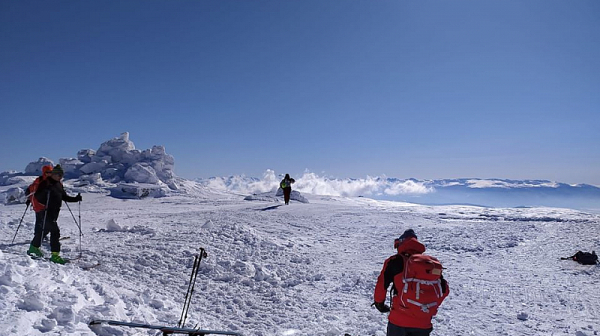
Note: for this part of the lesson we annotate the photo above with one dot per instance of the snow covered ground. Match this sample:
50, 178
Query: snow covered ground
302, 269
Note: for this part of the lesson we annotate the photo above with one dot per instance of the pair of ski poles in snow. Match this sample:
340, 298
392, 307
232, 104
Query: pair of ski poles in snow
43, 225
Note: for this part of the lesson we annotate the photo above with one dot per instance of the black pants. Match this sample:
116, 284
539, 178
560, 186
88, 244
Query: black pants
394, 330
50, 227
286, 194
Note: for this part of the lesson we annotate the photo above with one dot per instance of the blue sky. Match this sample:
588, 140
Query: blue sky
424, 89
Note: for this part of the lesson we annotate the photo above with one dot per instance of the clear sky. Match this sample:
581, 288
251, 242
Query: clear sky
424, 89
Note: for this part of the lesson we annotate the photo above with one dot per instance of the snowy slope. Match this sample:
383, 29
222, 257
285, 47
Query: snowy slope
302, 269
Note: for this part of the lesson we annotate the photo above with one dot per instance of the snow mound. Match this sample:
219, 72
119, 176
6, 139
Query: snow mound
208, 225
9, 178
112, 225
264, 197
14, 196
295, 196
137, 190
278, 196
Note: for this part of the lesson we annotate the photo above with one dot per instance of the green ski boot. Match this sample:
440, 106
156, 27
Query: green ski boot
57, 259
35, 251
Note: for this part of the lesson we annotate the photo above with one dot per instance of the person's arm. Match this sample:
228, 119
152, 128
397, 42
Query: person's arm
392, 266
382, 285
68, 198
445, 290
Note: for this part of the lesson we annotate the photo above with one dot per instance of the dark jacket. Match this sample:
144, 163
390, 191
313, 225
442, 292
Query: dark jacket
286, 183
51, 194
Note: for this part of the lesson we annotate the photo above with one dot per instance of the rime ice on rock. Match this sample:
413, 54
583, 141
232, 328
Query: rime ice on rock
117, 166
85, 155
35, 168
71, 166
117, 161
14, 196
142, 173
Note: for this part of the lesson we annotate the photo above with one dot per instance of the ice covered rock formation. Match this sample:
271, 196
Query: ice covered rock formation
118, 161
35, 168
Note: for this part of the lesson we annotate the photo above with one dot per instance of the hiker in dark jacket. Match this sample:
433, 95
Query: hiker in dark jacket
286, 186
50, 194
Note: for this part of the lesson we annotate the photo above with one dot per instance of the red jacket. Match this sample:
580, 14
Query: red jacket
393, 267
32, 189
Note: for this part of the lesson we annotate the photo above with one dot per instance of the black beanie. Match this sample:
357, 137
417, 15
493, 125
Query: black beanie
410, 233
58, 170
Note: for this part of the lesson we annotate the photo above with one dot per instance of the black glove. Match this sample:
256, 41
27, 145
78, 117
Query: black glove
78, 198
28, 202
382, 307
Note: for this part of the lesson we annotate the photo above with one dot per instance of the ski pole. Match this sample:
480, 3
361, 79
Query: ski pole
78, 225
192, 284
74, 219
21, 221
81, 233
187, 295
45, 216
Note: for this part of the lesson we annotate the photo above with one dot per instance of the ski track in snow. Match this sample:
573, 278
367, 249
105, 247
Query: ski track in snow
302, 269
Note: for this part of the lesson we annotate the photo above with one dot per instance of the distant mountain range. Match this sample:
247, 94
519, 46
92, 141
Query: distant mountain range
507, 193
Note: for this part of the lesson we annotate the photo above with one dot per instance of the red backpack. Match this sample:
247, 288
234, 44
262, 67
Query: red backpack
419, 286
30, 191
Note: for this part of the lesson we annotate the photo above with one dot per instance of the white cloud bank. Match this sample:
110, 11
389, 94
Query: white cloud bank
312, 183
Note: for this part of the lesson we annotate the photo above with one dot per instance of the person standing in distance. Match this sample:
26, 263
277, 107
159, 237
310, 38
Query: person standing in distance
286, 186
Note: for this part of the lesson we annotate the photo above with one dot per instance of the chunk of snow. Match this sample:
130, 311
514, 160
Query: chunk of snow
14, 196
141, 173
208, 225
138, 191
522, 316
93, 167
85, 155
46, 325
112, 226
31, 302
294, 196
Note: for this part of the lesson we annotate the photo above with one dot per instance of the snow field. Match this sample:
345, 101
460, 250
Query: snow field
302, 269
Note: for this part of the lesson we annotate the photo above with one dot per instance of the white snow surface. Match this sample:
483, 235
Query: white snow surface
298, 269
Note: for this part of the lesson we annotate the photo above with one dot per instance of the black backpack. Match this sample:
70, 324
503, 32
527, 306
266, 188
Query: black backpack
585, 258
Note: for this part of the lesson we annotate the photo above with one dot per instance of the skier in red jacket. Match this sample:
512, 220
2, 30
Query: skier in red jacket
408, 318
48, 199
30, 191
